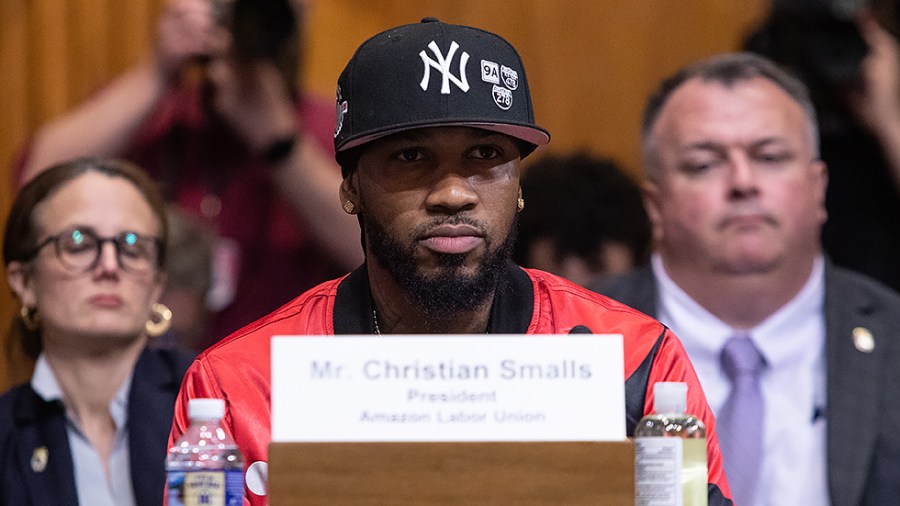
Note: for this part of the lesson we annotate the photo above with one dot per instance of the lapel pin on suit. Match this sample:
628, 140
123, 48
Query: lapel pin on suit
863, 340
39, 459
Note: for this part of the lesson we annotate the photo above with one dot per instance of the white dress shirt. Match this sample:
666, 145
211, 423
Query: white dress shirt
792, 340
93, 486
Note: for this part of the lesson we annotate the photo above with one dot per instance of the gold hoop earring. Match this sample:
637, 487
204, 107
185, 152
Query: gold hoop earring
30, 318
159, 325
349, 207
520, 204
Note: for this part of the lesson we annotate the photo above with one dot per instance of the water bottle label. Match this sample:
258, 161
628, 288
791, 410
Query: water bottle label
657, 471
206, 488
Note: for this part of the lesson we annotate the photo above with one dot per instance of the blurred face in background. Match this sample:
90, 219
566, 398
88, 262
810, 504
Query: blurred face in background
737, 187
613, 257
83, 303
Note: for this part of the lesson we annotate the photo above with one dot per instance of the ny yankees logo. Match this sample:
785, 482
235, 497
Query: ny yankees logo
443, 65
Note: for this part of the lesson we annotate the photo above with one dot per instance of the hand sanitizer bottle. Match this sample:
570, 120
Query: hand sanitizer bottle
670, 452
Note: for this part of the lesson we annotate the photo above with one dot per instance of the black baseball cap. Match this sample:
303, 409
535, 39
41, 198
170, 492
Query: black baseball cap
433, 74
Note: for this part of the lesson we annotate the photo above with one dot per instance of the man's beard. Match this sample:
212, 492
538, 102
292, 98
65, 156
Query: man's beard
451, 291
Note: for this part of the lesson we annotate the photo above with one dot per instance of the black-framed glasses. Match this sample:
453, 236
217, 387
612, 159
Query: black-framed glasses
79, 249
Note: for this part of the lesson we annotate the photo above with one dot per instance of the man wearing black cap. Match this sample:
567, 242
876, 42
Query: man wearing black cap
432, 123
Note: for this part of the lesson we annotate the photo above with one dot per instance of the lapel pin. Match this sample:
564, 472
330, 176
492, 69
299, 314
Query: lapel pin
863, 340
39, 459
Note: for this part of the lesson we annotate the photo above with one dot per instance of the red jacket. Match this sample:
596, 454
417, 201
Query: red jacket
237, 369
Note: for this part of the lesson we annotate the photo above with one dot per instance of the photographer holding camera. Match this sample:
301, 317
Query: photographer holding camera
215, 116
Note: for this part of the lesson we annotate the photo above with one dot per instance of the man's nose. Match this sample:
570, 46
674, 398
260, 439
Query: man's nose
742, 174
451, 192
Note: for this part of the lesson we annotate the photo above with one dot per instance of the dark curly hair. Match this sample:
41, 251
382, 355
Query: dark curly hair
580, 203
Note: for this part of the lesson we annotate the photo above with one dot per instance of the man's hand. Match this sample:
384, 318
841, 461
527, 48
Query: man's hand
254, 100
877, 104
186, 30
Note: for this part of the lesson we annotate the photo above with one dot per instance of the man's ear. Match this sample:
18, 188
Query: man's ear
820, 184
349, 192
18, 275
650, 195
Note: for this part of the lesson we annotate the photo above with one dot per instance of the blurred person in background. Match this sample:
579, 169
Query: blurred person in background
846, 52
796, 355
215, 115
189, 271
584, 218
84, 250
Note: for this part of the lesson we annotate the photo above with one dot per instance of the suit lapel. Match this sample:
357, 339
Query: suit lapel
636, 288
644, 293
853, 388
42, 452
151, 402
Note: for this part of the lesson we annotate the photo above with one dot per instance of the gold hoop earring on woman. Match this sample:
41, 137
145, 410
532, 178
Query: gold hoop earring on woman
160, 320
520, 204
30, 318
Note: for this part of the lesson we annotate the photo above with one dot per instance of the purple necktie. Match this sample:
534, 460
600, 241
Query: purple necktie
740, 421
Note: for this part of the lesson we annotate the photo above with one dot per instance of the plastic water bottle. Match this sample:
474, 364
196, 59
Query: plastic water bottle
205, 467
670, 467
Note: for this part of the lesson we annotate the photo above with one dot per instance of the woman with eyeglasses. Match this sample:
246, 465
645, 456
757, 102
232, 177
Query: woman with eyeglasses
84, 250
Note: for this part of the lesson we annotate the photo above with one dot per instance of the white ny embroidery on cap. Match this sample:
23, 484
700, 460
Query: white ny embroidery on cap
443, 65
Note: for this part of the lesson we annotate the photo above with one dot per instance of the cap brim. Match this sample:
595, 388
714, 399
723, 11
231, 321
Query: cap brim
529, 133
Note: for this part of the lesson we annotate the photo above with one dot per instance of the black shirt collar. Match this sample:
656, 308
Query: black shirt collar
511, 311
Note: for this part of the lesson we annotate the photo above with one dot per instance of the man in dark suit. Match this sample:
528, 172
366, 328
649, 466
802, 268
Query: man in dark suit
799, 359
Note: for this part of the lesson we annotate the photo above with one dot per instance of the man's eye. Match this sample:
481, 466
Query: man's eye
409, 155
697, 167
485, 152
774, 157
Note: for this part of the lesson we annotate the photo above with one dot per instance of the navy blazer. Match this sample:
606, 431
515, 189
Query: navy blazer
28, 423
863, 388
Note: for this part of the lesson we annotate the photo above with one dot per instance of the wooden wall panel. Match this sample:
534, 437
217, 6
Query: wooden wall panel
13, 121
48, 64
591, 63
131, 28
13, 81
89, 45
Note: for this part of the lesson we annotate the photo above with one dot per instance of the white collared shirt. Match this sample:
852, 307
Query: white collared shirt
792, 340
90, 481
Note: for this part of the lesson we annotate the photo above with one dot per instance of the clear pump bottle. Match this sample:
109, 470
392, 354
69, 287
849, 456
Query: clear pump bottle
670, 467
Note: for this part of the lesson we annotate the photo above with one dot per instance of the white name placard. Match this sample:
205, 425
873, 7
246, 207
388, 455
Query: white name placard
448, 388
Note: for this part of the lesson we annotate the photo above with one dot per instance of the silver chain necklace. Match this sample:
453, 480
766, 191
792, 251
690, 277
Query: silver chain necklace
378, 330
375, 322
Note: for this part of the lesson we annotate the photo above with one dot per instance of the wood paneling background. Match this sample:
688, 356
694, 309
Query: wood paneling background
590, 63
